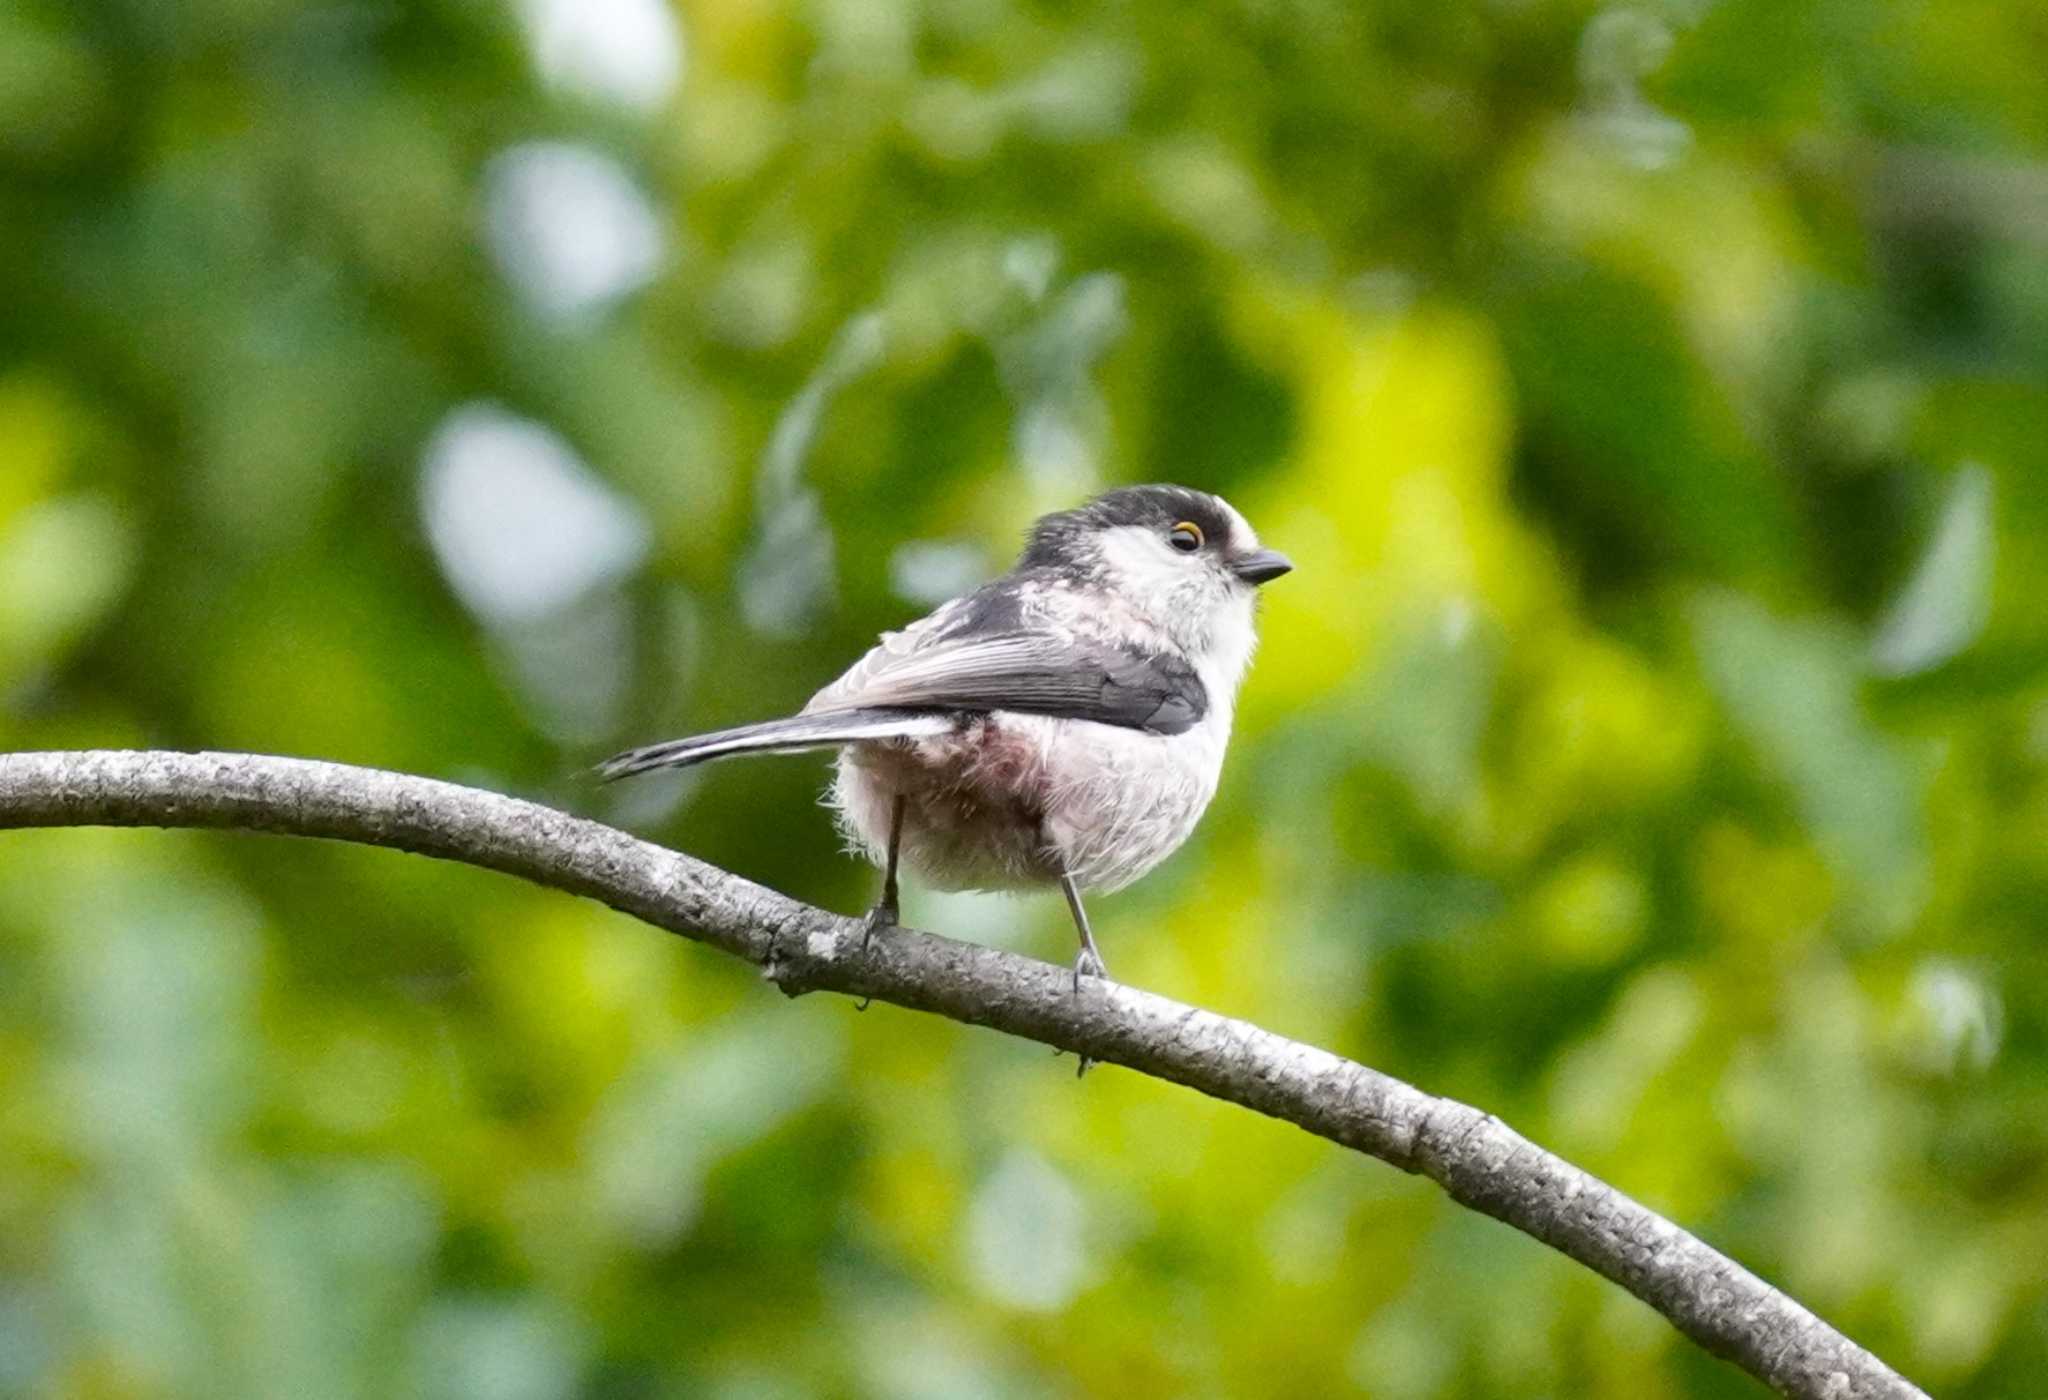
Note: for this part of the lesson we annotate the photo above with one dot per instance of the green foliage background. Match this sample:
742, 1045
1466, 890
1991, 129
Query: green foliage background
1652, 746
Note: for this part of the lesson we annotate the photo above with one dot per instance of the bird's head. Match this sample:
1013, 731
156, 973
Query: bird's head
1182, 559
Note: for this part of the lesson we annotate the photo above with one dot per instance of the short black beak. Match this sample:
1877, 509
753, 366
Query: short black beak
1262, 566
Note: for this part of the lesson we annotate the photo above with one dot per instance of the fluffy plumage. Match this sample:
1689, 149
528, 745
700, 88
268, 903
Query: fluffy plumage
1065, 722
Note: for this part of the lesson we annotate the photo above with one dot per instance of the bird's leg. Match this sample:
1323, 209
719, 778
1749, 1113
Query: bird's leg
884, 914
1087, 962
1089, 959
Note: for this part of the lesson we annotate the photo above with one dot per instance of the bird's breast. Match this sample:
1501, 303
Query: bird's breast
1009, 800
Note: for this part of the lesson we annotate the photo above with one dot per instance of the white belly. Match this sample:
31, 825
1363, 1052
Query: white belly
1009, 801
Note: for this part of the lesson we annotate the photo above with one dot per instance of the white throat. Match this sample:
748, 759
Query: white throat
1202, 614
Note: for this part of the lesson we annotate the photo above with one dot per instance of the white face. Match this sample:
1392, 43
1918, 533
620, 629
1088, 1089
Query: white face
1182, 583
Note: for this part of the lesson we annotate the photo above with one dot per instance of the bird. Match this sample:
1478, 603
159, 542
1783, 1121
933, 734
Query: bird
1064, 724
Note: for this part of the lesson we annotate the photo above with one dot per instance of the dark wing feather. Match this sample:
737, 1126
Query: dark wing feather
1032, 672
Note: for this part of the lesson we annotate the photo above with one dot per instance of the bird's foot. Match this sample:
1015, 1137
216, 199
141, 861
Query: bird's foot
882, 916
1081, 1066
1088, 963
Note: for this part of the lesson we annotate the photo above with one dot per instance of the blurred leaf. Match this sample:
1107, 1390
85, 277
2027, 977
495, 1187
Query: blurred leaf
1943, 607
62, 564
1791, 688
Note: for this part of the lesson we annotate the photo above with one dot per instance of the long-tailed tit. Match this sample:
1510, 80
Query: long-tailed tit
1062, 724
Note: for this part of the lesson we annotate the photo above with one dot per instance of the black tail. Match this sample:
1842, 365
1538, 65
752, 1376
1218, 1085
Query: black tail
792, 735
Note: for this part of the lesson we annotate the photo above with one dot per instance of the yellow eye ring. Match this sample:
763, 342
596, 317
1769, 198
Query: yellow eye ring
1186, 537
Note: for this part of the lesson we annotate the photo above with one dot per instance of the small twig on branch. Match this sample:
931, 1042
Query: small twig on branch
1475, 1157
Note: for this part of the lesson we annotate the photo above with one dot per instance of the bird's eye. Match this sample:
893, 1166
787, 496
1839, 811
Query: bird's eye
1185, 537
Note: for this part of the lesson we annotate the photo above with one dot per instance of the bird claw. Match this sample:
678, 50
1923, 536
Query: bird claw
1082, 1063
1088, 963
882, 916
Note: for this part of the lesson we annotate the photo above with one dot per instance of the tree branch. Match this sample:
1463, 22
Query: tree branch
1479, 1160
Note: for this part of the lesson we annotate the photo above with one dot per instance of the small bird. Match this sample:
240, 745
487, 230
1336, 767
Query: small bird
1062, 724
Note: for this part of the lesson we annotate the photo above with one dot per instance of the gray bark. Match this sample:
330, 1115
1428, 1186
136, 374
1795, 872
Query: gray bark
1476, 1158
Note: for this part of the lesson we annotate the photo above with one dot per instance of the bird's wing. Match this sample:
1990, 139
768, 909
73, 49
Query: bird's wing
933, 630
1033, 671
972, 655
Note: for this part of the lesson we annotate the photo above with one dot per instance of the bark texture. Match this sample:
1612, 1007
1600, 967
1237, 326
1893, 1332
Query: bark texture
1476, 1158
